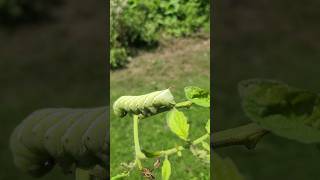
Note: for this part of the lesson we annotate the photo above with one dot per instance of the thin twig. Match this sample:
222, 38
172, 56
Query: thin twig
180, 148
247, 135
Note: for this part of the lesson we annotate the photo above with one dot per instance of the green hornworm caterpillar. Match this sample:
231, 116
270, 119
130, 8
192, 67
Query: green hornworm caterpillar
67, 137
145, 105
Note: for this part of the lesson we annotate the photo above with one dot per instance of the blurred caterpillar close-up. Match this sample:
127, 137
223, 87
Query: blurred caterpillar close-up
144, 105
67, 137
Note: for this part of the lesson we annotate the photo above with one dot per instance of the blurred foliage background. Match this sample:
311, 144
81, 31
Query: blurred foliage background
265, 39
21, 11
50, 62
142, 24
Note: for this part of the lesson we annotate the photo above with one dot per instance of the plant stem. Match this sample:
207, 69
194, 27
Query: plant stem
247, 135
119, 176
171, 151
139, 155
136, 134
200, 139
184, 104
180, 148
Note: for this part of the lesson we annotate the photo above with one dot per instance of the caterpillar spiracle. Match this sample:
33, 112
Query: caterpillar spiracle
63, 136
145, 105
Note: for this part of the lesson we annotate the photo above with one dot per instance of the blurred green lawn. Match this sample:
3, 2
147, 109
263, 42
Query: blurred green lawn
183, 63
266, 39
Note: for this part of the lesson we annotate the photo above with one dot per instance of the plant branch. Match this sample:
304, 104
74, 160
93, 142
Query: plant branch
247, 135
184, 104
199, 140
171, 151
139, 155
120, 176
180, 148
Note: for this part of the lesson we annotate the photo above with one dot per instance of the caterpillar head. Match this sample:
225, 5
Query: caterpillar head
120, 112
29, 162
41, 168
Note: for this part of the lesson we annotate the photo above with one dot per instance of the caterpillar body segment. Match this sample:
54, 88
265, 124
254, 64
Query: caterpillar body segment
53, 138
72, 140
25, 134
31, 136
54, 134
144, 105
93, 141
40, 129
57, 136
23, 145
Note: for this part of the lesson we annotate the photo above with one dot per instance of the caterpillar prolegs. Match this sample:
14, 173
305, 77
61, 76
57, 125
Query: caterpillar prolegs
145, 105
63, 136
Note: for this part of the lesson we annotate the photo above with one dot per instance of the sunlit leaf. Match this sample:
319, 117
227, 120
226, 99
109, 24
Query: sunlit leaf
178, 124
206, 146
208, 126
198, 96
179, 153
166, 169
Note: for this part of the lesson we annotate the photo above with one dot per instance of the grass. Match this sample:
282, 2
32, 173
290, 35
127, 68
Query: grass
181, 63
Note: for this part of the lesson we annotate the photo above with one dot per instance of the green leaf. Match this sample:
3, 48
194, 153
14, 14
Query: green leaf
286, 111
198, 96
178, 124
179, 153
149, 154
206, 146
208, 126
225, 169
166, 169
